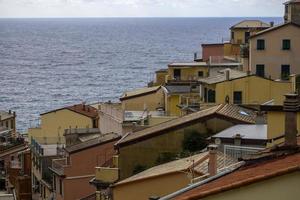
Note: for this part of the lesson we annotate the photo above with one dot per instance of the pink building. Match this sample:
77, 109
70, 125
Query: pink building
73, 173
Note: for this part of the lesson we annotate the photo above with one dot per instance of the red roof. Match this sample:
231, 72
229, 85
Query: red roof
82, 109
245, 176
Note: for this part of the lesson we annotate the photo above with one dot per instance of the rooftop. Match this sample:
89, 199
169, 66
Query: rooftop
93, 142
198, 162
233, 74
175, 89
274, 28
82, 109
245, 175
139, 92
6, 115
251, 132
250, 24
188, 64
229, 111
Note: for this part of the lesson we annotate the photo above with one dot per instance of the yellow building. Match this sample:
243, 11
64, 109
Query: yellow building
274, 53
150, 98
241, 31
145, 148
160, 77
180, 96
240, 88
166, 178
187, 71
54, 123
8, 120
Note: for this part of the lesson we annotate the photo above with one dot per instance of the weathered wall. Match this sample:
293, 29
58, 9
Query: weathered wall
273, 56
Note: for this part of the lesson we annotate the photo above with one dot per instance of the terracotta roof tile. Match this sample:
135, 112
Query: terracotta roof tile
244, 176
82, 109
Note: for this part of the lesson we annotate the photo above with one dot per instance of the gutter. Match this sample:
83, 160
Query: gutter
186, 189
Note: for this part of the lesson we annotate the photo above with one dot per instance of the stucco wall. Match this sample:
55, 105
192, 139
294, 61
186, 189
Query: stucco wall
188, 73
255, 90
212, 50
273, 56
150, 101
82, 169
54, 124
279, 188
158, 186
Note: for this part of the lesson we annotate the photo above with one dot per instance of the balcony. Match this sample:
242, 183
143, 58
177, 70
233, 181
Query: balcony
58, 166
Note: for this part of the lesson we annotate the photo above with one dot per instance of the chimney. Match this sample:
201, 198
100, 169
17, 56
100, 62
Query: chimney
271, 24
291, 107
212, 159
227, 74
260, 119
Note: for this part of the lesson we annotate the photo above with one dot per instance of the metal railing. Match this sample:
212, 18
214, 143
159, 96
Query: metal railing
238, 152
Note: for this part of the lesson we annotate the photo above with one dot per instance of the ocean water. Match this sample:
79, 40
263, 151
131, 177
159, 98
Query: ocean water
50, 63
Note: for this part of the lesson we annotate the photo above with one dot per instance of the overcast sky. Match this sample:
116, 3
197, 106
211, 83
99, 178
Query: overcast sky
140, 8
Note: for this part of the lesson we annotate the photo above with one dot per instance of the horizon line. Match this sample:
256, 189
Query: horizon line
87, 17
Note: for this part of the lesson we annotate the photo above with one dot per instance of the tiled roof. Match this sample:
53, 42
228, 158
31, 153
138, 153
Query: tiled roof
167, 168
139, 92
233, 74
246, 175
94, 142
251, 24
227, 111
82, 109
198, 162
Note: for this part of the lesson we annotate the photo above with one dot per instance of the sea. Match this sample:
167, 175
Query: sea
47, 64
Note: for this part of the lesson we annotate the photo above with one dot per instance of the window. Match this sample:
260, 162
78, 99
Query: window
232, 35
247, 36
286, 44
60, 187
285, 72
211, 96
260, 70
200, 74
237, 97
177, 74
260, 44
6, 124
12, 124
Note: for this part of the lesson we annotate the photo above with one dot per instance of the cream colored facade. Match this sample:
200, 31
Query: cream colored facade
273, 56
150, 101
53, 125
279, 188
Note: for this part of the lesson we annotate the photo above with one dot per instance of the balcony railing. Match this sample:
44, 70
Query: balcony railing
239, 152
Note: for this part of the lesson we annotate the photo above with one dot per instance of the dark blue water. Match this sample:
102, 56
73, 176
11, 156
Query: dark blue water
49, 63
